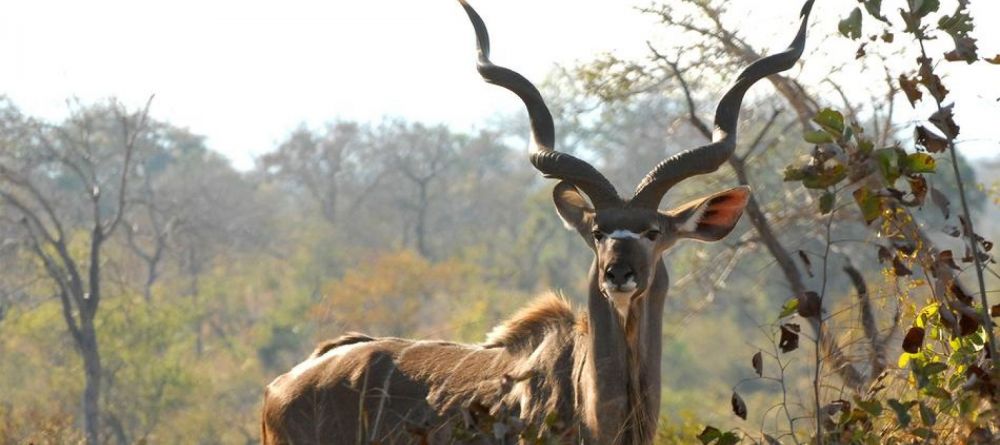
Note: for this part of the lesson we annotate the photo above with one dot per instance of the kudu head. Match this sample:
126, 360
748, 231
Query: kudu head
628, 236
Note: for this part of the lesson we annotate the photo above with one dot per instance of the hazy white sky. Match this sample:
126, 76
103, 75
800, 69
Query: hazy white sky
245, 73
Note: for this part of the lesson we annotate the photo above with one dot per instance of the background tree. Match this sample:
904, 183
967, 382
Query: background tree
68, 187
315, 162
217, 280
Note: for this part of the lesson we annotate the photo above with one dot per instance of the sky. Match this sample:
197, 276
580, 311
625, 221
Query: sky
246, 73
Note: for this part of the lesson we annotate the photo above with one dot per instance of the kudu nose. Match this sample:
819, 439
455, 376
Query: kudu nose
619, 274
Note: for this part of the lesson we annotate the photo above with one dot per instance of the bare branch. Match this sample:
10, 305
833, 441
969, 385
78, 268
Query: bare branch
890, 96
62, 158
692, 110
848, 373
867, 315
65, 288
30, 215
130, 140
760, 136
851, 109
26, 183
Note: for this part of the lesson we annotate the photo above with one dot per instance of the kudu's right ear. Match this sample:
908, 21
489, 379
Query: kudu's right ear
572, 207
710, 218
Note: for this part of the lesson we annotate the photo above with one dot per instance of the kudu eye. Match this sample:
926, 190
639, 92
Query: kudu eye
652, 234
598, 235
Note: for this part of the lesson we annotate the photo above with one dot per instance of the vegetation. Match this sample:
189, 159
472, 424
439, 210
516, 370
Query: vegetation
146, 286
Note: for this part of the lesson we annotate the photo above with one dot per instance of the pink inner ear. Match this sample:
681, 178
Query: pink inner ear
726, 209
721, 217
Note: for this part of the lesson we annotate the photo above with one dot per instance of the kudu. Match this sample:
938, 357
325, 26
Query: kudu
598, 373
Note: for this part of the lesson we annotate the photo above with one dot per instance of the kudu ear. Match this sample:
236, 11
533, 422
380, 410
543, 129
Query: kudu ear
710, 218
572, 207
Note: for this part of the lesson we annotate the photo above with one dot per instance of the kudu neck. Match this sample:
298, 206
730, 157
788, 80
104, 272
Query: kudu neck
624, 358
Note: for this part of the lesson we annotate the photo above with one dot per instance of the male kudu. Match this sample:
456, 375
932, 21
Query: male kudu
597, 372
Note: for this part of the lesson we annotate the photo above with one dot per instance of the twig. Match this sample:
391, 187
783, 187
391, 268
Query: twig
819, 331
969, 231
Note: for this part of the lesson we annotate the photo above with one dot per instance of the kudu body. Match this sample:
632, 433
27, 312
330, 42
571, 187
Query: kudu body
596, 373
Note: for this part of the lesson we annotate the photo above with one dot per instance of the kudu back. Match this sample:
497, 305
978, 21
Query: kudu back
590, 377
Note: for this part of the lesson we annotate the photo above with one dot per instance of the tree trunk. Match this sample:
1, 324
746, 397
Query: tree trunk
194, 270
151, 275
92, 382
841, 364
421, 230
329, 202
118, 430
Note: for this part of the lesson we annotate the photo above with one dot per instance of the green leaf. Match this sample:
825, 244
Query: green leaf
709, 434
927, 415
873, 407
793, 173
851, 26
865, 146
870, 205
935, 368
902, 411
817, 137
923, 433
826, 177
921, 8
874, 7
831, 120
958, 24
888, 163
728, 438
937, 392
826, 202
790, 307
919, 163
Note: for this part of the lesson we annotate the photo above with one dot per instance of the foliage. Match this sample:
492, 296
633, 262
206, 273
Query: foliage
220, 280
401, 293
946, 392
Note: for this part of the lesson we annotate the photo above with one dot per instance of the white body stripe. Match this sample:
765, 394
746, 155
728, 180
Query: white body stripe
308, 364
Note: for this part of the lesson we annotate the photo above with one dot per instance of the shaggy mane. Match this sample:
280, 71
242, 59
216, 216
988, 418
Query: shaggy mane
529, 326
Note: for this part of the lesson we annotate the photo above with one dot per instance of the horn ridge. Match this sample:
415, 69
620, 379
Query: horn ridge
708, 158
551, 163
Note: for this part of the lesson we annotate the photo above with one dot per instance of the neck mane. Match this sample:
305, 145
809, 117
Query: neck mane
619, 370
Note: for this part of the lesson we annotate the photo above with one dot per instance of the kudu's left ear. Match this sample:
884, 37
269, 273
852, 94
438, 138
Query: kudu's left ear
710, 218
572, 207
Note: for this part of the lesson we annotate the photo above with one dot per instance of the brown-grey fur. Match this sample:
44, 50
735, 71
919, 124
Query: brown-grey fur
596, 373
426, 385
542, 361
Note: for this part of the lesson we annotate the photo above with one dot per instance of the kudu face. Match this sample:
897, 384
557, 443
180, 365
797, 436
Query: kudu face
628, 236
628, 241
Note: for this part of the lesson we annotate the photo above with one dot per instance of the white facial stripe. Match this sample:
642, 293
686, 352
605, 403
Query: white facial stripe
623, 234
629, 286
